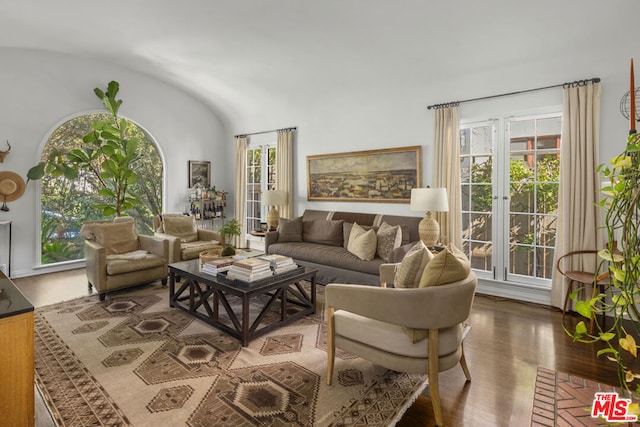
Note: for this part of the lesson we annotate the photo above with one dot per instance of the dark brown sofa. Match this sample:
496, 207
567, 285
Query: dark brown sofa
322, 244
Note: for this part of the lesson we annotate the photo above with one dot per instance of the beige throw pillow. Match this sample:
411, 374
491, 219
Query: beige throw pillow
388, 237
449, 266
362, 243
410, 270
117, 237
182, 226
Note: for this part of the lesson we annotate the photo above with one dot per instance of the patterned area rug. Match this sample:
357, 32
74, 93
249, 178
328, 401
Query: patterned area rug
565, 400
133, 360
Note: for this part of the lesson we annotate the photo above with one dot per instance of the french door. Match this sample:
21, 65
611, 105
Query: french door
510, 169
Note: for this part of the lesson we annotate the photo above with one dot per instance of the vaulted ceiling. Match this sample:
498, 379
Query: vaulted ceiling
231, 52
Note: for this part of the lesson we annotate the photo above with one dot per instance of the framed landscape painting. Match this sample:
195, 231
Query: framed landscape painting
386, 175
199, 173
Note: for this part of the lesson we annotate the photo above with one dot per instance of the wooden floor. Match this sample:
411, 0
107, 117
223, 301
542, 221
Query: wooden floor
507, 342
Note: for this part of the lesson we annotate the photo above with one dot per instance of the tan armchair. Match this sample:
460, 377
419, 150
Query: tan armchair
376, 323
186, 240
117, 257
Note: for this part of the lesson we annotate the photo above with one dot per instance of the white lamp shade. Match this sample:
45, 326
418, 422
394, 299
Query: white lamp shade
274, 198
429, 200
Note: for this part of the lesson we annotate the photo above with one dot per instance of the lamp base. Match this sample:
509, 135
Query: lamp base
273, 218
429, 230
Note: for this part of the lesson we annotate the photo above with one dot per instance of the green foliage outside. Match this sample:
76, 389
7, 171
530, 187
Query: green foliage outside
94, 167
533, 197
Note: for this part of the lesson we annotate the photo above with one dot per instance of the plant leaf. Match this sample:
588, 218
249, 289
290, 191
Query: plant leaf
584, 308
607, 336
36, 172
628, 343
581, 328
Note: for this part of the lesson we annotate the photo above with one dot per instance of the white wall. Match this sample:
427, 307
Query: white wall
363, 115
40, 90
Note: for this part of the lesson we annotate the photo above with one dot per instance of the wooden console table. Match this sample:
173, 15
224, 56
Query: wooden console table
16, 356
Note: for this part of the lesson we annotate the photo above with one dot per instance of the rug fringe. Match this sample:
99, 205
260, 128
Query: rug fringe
412, 399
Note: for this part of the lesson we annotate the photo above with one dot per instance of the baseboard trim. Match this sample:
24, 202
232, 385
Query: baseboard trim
517, 291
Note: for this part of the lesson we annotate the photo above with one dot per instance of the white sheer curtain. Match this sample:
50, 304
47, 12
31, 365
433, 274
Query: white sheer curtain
284, 170
240, 202
446, 172
579, 219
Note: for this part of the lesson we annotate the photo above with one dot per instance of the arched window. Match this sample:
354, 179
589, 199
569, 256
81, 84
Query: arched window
66, 204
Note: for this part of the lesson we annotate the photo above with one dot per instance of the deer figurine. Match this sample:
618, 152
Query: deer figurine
3, 154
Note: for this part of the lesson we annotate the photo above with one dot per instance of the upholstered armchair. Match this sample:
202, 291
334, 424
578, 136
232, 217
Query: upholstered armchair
186, 240
414, 330
117, 257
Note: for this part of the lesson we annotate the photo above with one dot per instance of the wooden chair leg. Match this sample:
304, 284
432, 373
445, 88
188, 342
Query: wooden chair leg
434, 389
566, 298
331, 346
463, 363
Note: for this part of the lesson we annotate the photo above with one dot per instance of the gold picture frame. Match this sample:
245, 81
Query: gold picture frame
199, 173
386, 175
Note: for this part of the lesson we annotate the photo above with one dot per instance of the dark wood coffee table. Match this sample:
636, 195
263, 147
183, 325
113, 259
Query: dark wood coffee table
201, 295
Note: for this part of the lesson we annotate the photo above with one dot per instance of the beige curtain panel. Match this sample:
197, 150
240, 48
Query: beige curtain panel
446, 172
579, 219
239, 203
284, 170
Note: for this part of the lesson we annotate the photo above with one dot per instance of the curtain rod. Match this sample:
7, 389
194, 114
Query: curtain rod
264, 131
563, 85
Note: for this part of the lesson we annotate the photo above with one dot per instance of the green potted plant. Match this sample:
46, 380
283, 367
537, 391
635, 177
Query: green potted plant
229, 229
621, 260
106, 153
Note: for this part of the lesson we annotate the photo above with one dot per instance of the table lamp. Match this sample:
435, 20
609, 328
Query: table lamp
273, 198
429, 200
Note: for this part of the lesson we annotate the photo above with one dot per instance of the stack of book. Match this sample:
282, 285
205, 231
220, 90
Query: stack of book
217, 266
250, 269
279, 263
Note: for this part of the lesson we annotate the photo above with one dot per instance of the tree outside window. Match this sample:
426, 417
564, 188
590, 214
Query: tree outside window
67, 204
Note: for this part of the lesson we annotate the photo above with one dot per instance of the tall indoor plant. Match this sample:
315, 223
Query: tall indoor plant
106, 152
621, 260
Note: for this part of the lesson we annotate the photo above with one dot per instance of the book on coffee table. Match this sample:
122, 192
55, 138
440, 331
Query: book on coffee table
279, 263
217, 266
250, 269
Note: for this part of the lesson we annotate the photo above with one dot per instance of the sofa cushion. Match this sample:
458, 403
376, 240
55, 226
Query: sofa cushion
183, 227
290, 230
449, 266
412, 266
390, 338
158, 223
388, 238
117, 237
362, 243
326, 232
121, 266
334, 256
